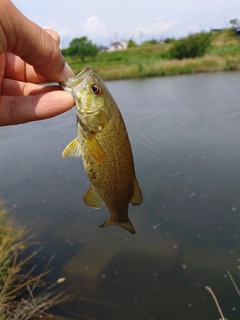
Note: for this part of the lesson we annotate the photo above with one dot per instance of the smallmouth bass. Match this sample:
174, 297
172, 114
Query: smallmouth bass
103, 142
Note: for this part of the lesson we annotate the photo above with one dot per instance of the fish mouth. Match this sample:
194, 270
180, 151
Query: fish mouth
74, 83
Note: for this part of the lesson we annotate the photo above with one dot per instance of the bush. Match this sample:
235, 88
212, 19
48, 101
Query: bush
149, 42
169, 40
193, 46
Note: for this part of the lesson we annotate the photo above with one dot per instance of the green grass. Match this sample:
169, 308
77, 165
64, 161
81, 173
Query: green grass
154, 60
225, 50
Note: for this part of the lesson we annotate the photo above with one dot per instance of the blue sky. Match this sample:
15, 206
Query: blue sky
103, 21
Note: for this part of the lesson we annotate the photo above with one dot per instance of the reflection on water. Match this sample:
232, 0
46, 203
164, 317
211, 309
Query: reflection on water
185, 137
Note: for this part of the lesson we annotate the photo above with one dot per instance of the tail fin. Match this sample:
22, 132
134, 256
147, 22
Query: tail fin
125, 225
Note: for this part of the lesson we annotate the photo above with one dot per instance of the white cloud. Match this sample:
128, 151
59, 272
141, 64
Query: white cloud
157, 28
160, 18
103, 20
193, 28
64, 33
93, 28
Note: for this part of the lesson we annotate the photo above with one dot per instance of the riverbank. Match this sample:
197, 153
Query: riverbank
18, 299
154, 60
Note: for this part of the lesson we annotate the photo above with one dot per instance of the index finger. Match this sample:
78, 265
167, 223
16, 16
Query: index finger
17, 69
32, 43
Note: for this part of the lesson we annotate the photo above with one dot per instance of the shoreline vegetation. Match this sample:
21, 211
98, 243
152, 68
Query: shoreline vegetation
18, 285
221, 53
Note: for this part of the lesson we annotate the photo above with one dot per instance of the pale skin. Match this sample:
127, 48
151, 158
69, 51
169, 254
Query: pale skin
29, 57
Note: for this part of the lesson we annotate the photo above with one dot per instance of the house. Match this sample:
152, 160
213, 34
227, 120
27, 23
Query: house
119, 45
216, 30
237, 32
102, 48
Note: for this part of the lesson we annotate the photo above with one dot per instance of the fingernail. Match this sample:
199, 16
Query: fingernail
67, 72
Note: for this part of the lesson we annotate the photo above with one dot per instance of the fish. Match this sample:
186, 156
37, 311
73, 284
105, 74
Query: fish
102, 141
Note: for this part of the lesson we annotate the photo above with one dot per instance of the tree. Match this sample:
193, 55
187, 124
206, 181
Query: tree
83, 48
64, 52
234, 22
131, 44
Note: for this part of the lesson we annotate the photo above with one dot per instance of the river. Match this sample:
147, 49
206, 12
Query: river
185, 136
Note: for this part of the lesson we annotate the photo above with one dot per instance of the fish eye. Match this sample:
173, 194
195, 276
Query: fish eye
95, 89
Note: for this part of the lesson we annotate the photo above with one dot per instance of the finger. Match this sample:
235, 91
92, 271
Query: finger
19, 70
18, 88
54, 35
16, 110
33, 44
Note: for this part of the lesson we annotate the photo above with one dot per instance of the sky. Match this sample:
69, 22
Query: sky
106, 21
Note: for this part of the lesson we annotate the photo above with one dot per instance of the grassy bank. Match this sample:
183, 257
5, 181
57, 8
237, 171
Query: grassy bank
18, 300
154, 60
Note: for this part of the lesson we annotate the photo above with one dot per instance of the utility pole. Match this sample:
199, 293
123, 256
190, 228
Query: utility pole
141, 37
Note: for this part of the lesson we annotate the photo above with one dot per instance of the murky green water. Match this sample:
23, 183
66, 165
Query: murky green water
185, 135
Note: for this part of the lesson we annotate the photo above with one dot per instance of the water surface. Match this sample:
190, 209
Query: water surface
185, 135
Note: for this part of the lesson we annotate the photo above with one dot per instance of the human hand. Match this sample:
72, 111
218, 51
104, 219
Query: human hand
29, 57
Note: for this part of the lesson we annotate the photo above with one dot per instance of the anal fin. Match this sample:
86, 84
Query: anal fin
92, 199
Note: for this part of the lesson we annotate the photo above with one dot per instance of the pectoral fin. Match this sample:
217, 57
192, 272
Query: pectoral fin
137, 197
73, 149
92, 199
127, 225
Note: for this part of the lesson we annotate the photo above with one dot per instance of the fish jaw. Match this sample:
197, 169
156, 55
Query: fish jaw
75, 81
76, 84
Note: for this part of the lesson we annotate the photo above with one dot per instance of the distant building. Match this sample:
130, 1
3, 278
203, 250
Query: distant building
119, 45
237, 31
102, 48
216, 30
